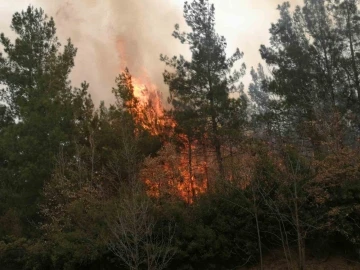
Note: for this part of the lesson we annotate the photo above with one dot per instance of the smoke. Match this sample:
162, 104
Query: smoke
113, 34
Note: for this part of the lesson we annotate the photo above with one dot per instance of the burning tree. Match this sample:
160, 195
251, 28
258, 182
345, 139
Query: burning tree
142, 103
200, 89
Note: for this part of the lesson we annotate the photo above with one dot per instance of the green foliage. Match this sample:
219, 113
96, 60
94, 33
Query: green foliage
71, 176
215, 233
42, 111
334, 196
314, 67
200, 88
21, 253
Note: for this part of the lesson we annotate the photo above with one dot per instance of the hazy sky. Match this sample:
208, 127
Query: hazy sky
111, 34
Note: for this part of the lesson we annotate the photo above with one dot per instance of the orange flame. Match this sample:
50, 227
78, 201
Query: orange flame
168, 175
169, 172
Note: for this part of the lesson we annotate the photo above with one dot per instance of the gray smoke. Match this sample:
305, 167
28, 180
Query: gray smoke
112, 34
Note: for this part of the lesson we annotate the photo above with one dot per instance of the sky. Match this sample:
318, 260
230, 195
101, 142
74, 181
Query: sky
113, 34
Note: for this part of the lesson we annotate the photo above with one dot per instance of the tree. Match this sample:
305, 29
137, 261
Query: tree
258, 94
262, 111
200, 88
314, 68
133, 226
290, 63
44, 112
136, 240
346, 16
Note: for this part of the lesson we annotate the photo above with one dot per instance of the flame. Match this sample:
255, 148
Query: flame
168, 175
138, 89
169, 172
148, 93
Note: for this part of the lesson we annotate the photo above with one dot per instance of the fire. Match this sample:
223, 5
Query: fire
189, 168
147, 93
170, 172
168, 175
138, 89
150, 112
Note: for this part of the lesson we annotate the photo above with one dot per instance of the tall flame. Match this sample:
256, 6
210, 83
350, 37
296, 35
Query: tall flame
171, 170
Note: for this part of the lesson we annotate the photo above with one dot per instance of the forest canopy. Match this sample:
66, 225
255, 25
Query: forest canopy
222, 179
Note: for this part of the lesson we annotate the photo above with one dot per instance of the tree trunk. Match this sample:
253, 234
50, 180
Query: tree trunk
215, 137
217, 145
298, 230
191, 171
353, 61
257, 227
206, 166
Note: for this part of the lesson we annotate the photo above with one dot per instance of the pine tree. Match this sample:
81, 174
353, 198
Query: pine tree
257, 91
313, 77
44, 112
200, 88
347, 21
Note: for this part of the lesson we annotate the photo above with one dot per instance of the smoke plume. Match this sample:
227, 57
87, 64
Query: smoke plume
113, 34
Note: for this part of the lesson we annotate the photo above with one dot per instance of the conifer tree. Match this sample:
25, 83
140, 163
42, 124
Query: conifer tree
200, 88
44, 113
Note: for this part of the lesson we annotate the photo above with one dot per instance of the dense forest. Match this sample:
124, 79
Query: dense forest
219, 180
